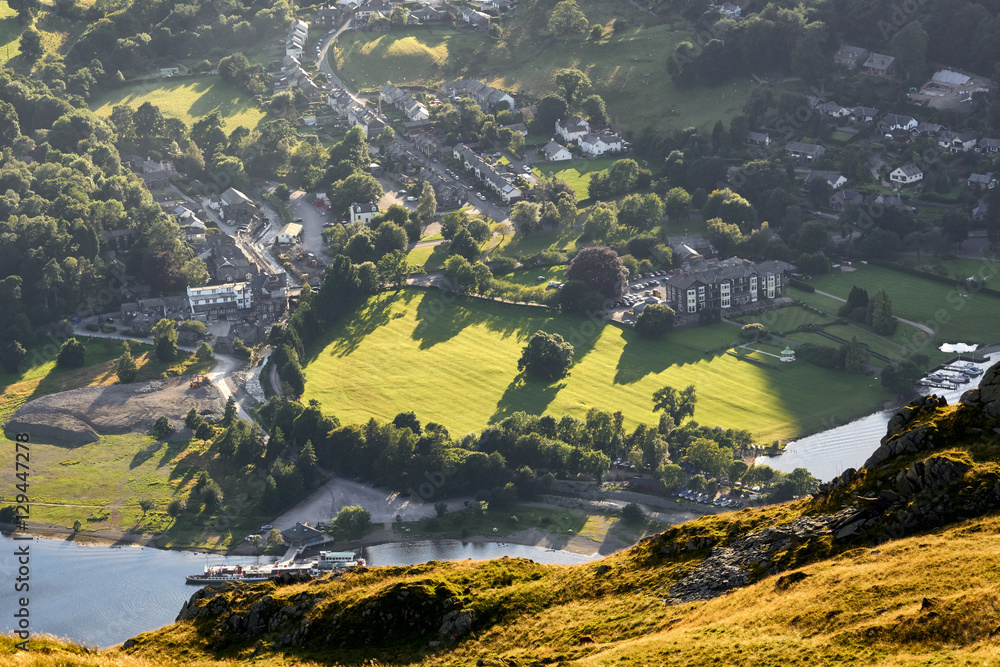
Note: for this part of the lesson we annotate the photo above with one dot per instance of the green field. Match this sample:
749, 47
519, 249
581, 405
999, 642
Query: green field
10, 33
628, 68
974, 318
186, 99
784, 319
456, 363
576, 173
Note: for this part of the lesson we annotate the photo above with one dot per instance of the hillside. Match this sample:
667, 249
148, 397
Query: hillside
894, 564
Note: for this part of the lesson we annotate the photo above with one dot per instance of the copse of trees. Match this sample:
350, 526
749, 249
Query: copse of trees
546, 356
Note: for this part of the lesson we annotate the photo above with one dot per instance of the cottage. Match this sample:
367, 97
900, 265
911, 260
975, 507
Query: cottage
290, 233
520, 128
982, 181
475, 18
833, 109
364, 212
327, 17
988, 145
802, 151
599, 144
850, 56
759, 138
404, 101
879, 65
897, 122
844, 198
863, 115
691, 246
831, 178
908, 174
924, 129
556, 152
572, 129
957, 142
487, 97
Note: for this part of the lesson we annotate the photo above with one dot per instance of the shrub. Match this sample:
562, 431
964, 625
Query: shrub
632, 513
162, 428
501, 266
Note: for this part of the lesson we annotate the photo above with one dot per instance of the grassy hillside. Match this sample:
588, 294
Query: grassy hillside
186, 99
907, 577
628, 68
411, 350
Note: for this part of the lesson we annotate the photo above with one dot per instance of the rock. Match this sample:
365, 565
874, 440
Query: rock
787, 580
129, 643
601, 569
456, 623
849, 530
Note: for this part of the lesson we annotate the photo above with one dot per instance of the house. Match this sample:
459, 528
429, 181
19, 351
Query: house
290, 233
895, 201
235, 207
226, 261
302, 534
229, 301
879, 65
908, 174
801, 151
691, 246
364, 212
428, 14
361, 115
730, 11
759, 138
722, 284
500, 183
988, 145
556, 152
327, 17
572, 129
850, 56
863, 115
599, 144
833, 109
487, 97
957, 142
366, 13
982, 208
270, 298
893, 122
194, 231
924, 129
831, 178
844, 198
475, 18
982, 181
520, 128
404, 101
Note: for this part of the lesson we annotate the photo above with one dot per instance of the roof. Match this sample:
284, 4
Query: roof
291, 229
552, 148
713, 271
757, 136
364, 208
830, 177
981, 178
808, 149
865, 111
910, 170
950, 77
232, 197
989, 142
852, 52
879, 61
897, 119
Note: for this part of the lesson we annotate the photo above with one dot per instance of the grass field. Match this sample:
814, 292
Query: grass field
974, 318
784, 319
10, 33
576, 173
522, 245
187, 100
628, 68
456, 363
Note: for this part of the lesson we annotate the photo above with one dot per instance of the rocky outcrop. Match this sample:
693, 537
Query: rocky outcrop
985, 399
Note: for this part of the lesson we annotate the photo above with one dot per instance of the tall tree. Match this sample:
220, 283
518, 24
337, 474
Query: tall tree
675, 404
126, 368
879, 315
546, 356
31, 46
426, 205
572, 83
526, 216
165, 340
601, 269
568, 19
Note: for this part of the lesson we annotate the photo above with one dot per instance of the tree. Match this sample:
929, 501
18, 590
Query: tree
632, 513
274, 539
572, 83
71, 354
754, 331
389, 238
162, 427
655, 320
596, 111
440, 508
204, 431
165, 340
526, 216
640, 212
176, 507
676, 405
724, 236
909, 47
230, 414
204, 352
601, 269
856, 357
546, 356
354, 521
126, 368
707, 455
677, 204
550, 109
31, 46
463, 245
426, 205
13, 356
77, 526
393, 269
601, 222
192, 419
568, 19
879, 314
147, 505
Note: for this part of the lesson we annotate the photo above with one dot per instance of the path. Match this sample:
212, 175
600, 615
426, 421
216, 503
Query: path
926, 329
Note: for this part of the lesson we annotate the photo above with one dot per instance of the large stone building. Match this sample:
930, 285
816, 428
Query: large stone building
722, 284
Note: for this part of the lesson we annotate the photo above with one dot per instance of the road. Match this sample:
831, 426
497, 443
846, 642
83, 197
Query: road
324, 63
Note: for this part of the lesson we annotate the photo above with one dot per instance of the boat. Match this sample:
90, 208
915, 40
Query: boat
220, 574
330, 561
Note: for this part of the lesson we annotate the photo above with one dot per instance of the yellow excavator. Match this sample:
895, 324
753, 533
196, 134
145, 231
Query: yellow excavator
200, 381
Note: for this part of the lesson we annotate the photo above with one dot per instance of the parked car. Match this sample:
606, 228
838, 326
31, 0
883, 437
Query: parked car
481, 196
411, 198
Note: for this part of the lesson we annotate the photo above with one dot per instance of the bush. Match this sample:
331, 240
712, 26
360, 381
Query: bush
632, 513
753, 331
162, 428
501, 266
71, 354
92, 327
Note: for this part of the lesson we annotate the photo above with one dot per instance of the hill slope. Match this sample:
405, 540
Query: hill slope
894, 564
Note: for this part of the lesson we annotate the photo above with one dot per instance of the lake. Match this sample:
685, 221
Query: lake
101, 596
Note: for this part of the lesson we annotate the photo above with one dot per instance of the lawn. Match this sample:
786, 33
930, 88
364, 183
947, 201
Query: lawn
431, 258
576, 173
628, 68
10, 33
784, 319
523, 245
529, 277
456, 363
982, 269
186, 99
974, 318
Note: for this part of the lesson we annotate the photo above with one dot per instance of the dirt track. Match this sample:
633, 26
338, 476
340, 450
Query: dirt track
79, 415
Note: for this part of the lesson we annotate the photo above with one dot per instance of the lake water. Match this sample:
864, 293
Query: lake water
829, 453
101, 596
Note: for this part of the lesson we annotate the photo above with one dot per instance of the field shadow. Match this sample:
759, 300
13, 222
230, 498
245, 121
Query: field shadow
217, 96
145, 454
641, 357
343, 340
525, 395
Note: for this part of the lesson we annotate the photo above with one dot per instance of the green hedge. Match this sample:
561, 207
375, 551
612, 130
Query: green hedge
798, 284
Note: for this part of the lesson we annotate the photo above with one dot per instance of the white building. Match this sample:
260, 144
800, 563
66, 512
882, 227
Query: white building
556, 152
216, 301
599, 144
290, 233
908, 174
572, 129
364, 213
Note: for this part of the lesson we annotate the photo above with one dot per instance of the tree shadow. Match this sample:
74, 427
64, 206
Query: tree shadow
343, 339
145, 454
641, 357
174, 447
217, 95
525, 395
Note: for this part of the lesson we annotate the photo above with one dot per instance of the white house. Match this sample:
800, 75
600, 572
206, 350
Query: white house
894, 121
572, 129
908, 174
290, 233
832, 178
219, 300
364, 213
556, 152
731, 11
599, 144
